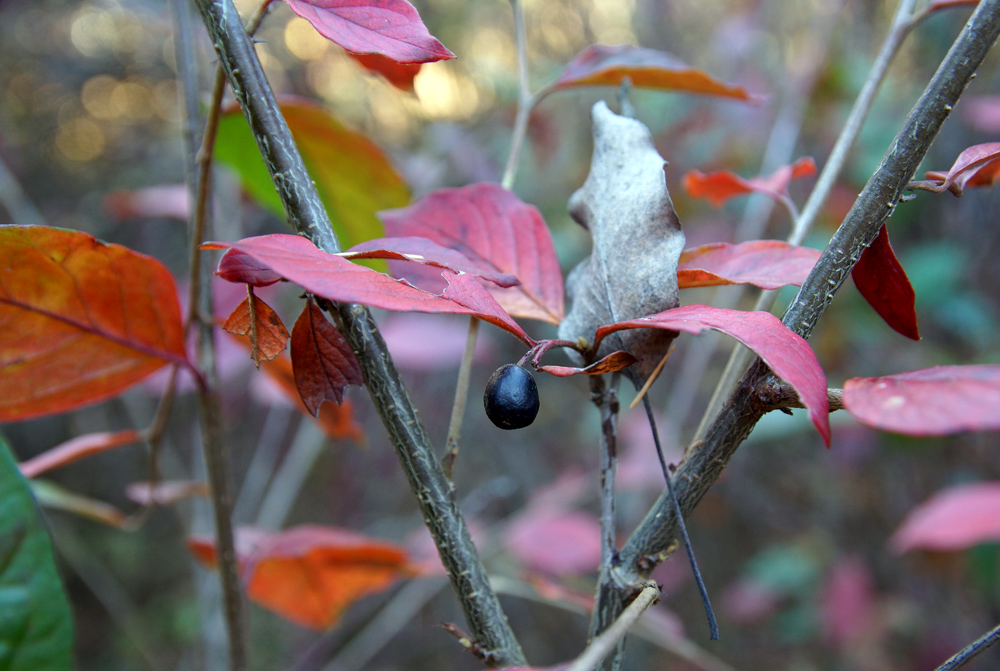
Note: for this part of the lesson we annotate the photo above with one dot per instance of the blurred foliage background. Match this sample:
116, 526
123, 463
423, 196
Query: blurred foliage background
792, 541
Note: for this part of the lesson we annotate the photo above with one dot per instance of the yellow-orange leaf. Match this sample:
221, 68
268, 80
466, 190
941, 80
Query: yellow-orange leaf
311, 574
255, 319
80, 321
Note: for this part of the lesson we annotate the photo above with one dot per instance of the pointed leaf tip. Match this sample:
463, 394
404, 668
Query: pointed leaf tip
880, 278
322, 361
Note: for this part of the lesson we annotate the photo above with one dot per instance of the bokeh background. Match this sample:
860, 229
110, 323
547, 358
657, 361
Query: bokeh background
792, 541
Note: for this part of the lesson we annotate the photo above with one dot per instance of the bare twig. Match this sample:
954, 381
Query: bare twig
610, 640
525, 100
307, 216
971, 651
461, 396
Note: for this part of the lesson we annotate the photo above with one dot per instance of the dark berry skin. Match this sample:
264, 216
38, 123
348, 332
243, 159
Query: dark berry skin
511, 397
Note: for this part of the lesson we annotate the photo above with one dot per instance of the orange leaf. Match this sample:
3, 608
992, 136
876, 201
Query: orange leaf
311, 574
255, 318
78, 448
322, 361
606, 65
80, 321
718, 187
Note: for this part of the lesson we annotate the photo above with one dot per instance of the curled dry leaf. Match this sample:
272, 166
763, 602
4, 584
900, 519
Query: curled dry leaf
880, 278
92, 319
768, 264
785, 352
609, 364
322, 361
637, 241
255, 319
311, 574
390, 28
718, 187
930, 402
494, 229
608, 65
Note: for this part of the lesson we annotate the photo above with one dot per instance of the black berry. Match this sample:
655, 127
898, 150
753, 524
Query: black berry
511, 397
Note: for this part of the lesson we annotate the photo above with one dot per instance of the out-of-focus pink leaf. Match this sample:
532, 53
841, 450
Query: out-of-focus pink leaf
718, 187
609, 364
982, 113
556, 542
166, 492
880, 278
400, 75
847, 602
77, 448
426, 343
390, 28
330, 276
168, 202
979, 165
954, 519
422, 250
785, 352
930, 402
768, 264
608, 65
493, 227
748, 601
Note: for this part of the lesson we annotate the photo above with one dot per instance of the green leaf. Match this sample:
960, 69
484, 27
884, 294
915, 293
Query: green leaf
36, 629
353, 176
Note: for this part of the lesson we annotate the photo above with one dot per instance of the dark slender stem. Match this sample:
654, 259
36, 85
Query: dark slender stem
713, 625
706, 459
307, 216
461, 397
971, 651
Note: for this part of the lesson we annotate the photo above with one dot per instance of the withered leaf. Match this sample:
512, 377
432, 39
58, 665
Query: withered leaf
322, 361
255, 319
637, 241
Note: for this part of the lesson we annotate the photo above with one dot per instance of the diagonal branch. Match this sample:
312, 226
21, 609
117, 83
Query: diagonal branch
706, 459
307, 216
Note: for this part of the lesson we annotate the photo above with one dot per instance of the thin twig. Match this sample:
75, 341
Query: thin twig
307, 216
601, 646
740, 356
525, 100
971, 651
713, 625
743, 409
461, 396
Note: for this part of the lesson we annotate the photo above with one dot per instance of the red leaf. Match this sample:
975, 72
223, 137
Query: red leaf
311, 574
609, 364
882, 281
255, 319
963, 172
77, 448
424, 251
954, 519
718, 187
330, 276
391, 28
606, 65
785, 352
930, 402
947, 4
400, 75
235, 266
80, 321
322, 361
768, 264
492, 227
